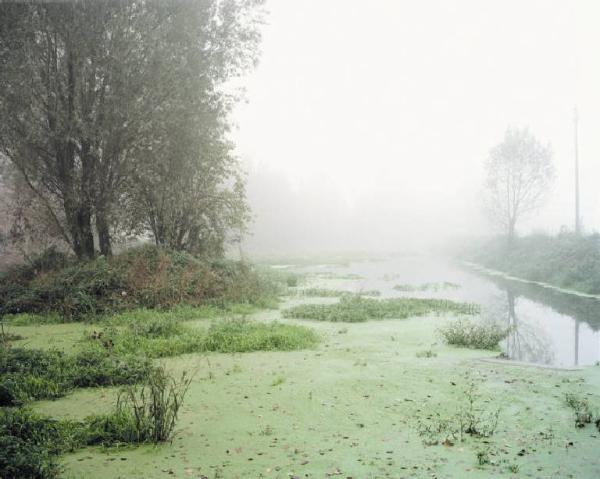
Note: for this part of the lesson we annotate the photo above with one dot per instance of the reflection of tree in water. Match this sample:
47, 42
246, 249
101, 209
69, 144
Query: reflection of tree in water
579, 308
527, 343
524, 341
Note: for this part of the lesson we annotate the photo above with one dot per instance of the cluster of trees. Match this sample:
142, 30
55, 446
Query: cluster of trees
114, 120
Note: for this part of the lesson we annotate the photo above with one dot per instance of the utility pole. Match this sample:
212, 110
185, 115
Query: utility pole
577, 216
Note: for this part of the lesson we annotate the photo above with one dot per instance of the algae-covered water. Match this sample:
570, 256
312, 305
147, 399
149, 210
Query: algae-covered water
355, 406
547, 327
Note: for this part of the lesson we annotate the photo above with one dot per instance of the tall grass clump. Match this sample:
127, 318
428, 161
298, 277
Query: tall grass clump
473, 334
358, 309
153, 406
144, 413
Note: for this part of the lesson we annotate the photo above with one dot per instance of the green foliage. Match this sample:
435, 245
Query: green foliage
152, 337
241, 335
144, 277
30, 443
358, 309
163, 336
474, 334
29, 374
566, 260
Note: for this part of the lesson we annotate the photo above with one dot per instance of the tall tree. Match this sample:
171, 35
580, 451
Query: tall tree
519, 173
189, 191
91, 91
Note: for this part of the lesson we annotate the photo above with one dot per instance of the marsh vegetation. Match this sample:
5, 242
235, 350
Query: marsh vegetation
358, 309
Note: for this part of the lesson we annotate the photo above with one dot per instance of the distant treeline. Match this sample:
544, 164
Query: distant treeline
566, 260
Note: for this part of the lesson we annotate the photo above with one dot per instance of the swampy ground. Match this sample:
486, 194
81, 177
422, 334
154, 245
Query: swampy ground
372, 400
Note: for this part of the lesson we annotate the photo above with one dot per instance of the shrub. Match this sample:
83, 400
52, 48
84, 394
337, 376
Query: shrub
358, 309
475, 334
469, 415
19, 460
147, 277
584, 413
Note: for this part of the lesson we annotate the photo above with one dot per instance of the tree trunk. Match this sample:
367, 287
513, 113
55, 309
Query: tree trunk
84, 218
79, 219
104, 240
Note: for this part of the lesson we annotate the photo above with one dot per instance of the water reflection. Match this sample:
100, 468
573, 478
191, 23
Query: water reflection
525, 342
549, 327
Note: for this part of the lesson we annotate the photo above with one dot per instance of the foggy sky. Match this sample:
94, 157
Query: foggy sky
375, 118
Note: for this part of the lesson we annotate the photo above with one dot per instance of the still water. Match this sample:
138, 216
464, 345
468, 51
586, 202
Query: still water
547, 327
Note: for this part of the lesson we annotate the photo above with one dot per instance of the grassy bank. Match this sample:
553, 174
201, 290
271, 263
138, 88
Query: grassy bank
566, 260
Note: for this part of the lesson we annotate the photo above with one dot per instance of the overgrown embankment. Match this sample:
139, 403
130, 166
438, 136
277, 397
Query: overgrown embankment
145, 277
567, 260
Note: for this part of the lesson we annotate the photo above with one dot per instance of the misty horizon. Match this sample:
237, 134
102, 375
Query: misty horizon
371, 133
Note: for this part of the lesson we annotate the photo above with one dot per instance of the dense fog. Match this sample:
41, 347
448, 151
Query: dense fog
367, 126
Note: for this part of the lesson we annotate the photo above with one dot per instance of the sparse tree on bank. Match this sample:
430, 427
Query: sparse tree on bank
519, 173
